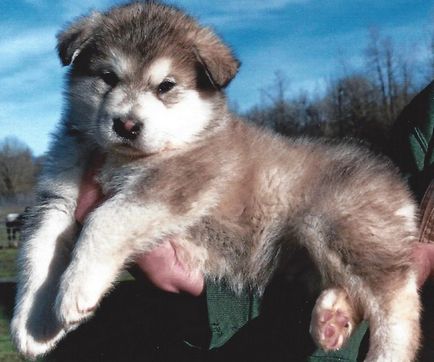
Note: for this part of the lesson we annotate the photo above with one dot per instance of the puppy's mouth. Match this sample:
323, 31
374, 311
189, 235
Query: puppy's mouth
128, 149
131, 151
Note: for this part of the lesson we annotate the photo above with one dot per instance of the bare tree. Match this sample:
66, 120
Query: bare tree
287, 115
391, 72
17, 167
379, 63
349, 104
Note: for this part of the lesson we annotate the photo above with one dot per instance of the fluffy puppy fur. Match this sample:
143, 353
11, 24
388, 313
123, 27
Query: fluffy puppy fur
145, 87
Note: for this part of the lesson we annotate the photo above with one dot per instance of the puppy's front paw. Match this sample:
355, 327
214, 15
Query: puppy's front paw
333, 319
74, 304
82, 287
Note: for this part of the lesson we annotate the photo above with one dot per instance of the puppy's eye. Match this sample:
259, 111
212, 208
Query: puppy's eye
165, 86
110, 78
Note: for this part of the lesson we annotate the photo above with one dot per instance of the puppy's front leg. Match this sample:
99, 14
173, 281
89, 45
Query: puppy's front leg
47, 240
111, 235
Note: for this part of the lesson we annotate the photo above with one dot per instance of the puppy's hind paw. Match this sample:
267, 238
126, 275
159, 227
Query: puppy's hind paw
333, 319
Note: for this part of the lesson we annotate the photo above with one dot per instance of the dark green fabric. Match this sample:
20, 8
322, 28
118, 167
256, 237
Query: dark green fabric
412, 144
228, 313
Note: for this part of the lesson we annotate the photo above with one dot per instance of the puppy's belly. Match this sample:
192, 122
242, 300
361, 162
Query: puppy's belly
226, 251
223, 240
220, 253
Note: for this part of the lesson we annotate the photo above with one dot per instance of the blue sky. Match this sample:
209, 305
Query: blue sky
305, 39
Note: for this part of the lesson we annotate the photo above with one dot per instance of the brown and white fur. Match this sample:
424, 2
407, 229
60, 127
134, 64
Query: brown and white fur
146, 89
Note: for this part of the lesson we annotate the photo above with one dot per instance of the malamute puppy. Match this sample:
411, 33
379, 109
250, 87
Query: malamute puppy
145, 88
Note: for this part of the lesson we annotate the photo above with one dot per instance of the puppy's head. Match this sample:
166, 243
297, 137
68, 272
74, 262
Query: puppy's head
144, 78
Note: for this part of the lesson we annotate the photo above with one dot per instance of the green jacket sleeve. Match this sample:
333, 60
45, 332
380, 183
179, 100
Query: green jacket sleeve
412, 144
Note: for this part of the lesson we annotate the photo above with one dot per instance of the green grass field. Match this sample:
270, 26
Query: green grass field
8, 267
7, 351
8, 272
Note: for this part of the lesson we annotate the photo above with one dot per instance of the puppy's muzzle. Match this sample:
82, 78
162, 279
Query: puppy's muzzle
127, 128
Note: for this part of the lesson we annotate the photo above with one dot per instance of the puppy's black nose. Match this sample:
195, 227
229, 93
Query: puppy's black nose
127, 128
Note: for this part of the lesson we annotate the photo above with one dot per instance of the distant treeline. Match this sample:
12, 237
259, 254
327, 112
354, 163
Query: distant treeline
362, 102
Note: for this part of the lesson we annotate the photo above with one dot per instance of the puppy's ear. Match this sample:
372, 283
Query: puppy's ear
217, 59
71, 41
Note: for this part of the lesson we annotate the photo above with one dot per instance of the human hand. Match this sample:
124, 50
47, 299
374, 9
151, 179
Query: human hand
162, 268
423, 255
161, 265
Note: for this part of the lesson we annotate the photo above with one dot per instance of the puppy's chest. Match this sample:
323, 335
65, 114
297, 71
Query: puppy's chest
115, 177
182, 182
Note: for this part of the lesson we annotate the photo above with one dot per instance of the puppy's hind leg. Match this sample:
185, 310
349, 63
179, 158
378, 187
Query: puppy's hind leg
389, 300
394, 322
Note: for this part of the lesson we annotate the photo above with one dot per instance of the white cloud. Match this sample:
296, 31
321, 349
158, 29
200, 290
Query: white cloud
253, 6
28, 107
39, 4
42, 75
233, 14
22, 47
35, 2
67, 10
239, 5
73, 9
